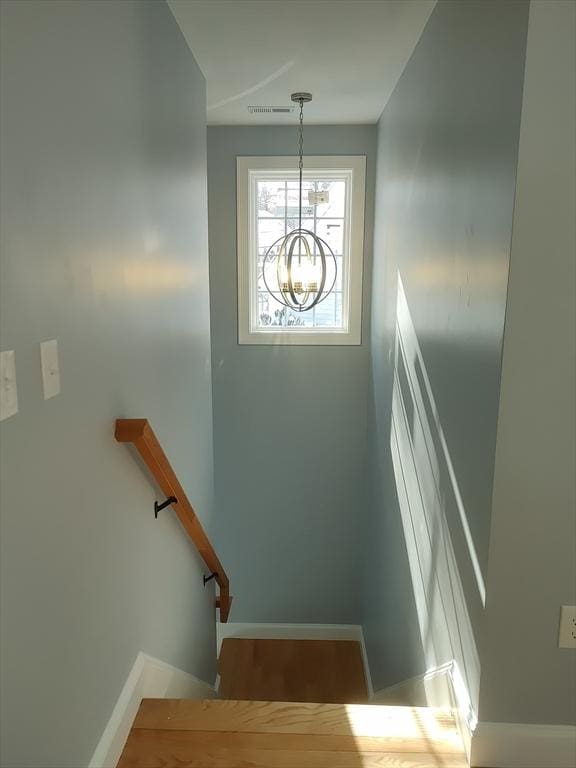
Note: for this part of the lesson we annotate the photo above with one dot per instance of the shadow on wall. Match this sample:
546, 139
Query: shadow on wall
433, 514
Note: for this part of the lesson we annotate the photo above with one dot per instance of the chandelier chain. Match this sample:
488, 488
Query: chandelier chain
301, 162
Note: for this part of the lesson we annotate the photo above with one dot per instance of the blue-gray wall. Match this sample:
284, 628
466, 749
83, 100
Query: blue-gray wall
289, 422
532, 565
447, 149
104, 247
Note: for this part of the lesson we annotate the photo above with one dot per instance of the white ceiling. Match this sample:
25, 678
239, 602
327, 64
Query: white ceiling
348, 53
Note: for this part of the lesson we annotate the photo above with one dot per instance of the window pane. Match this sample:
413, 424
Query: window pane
269, 230
306, 224
326, 312
293, 197
339, 273
338, 309
332, 231
276, 215
337, 195
307, 318
270, 196
273, 314
331, 271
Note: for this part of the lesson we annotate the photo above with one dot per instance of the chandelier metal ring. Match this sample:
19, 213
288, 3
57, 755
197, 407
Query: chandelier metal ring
291, 292
300, 277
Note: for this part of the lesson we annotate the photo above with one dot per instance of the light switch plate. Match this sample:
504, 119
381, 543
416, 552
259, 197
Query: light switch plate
8, 391
567, 635
50, 368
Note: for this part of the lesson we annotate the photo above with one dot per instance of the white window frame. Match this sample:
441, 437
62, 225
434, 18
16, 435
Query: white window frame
248, 170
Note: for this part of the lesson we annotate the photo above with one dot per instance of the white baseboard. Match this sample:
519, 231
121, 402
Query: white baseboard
367, 675
297, 632
521, 745
440, 687
149, 678
432, 689
464, 710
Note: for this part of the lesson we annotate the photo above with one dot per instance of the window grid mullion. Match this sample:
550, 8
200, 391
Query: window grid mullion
271, 299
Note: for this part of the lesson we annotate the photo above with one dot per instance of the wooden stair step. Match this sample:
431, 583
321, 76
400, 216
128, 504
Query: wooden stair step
367, 720
318, 671
195, 749
250, 734
304, 742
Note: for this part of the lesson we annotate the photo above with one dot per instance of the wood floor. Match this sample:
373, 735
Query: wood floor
321, 671
249, 734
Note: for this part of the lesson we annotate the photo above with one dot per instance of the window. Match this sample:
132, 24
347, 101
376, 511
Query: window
267, 210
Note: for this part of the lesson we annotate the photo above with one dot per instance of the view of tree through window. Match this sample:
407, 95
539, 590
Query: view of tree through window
277, 214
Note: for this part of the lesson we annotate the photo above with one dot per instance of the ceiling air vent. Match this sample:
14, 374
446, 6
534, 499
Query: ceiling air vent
271, 110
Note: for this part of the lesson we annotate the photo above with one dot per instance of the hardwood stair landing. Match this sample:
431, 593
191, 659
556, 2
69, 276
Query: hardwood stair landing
250, 734
319, 671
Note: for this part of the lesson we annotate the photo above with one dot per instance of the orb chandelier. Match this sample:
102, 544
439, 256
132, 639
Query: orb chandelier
295, 269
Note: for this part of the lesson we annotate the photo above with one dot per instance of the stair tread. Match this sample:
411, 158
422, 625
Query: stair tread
366, 720
292, 670
158, 749
302, 741
224, 733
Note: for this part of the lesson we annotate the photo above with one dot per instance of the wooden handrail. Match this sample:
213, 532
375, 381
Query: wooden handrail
140, 433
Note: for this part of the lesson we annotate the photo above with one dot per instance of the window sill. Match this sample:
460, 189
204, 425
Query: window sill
312, 338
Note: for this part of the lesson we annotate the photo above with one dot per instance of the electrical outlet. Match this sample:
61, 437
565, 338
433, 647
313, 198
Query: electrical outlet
567, 636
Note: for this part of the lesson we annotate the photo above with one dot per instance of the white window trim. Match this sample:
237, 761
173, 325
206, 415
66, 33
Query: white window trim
247, 168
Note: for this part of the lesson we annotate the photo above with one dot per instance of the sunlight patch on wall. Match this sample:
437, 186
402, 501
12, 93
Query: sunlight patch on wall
158, 276
426, 483
422, 391
141, 276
